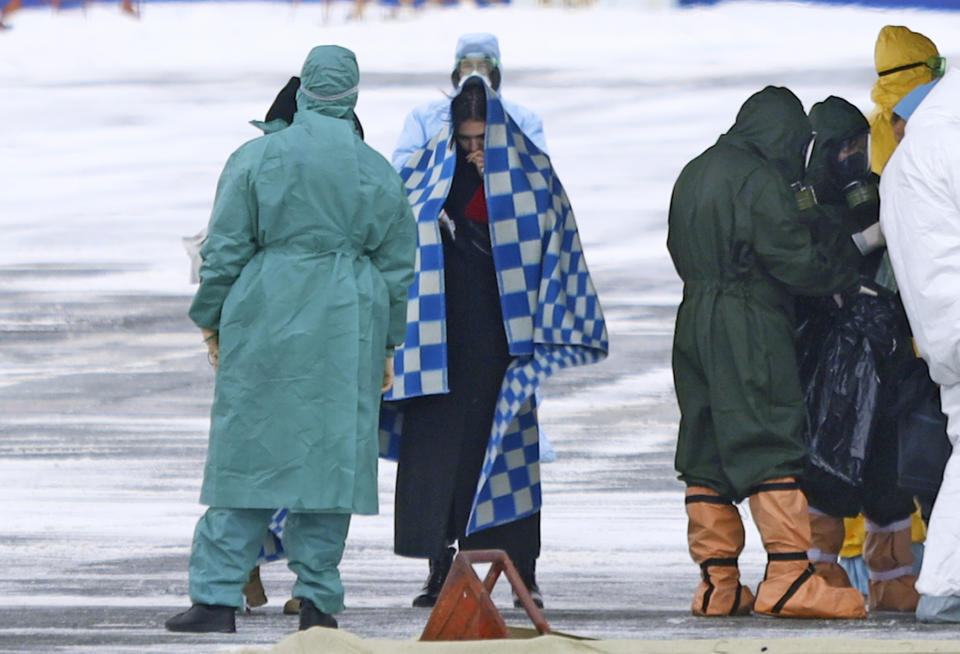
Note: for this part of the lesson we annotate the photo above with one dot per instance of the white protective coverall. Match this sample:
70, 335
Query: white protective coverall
920, 217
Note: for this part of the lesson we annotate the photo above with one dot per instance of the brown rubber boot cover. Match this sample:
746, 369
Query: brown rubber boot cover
715, 532
826, 535
253, 590
887, 551
790, 589
833, 574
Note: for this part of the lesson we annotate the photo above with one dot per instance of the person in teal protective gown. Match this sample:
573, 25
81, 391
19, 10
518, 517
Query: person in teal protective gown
302, 299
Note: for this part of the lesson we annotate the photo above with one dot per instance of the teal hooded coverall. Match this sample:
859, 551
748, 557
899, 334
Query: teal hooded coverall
309, 254
739, 246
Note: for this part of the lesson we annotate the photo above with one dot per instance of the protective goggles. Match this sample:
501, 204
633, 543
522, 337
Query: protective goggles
936, 64
852, 158
478, 64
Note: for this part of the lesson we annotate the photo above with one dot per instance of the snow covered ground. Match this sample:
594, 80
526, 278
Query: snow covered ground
114, 131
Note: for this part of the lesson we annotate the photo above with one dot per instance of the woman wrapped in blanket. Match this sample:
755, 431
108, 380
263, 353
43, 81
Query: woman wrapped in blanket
445, 437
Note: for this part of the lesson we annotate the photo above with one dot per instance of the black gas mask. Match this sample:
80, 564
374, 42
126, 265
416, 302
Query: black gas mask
850, 158
850, 165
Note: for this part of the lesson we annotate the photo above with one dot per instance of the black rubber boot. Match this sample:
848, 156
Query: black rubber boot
203, 619
439, 568
311, 616
528, 574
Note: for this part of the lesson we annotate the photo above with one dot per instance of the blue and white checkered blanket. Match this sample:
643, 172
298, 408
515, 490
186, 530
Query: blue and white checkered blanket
272, 548
551, 313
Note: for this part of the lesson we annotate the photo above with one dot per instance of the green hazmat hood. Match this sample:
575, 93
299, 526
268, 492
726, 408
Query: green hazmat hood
772, 122
835, 121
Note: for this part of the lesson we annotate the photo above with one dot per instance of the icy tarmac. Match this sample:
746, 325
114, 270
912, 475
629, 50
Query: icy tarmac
104, 413
114, 135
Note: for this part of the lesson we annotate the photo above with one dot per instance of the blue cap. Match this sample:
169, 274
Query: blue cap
912, 100
479, 44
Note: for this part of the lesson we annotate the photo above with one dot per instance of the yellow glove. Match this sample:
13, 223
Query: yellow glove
212, 339
387, 375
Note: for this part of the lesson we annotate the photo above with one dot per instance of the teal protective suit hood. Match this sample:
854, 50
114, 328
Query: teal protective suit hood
329, 82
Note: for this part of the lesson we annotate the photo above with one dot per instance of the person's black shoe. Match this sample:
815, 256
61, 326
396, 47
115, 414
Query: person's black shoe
311, 616
439, 568
528, 574
535, 595
203, 619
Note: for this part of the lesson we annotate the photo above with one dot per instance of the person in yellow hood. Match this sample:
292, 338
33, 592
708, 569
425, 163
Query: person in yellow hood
904, 60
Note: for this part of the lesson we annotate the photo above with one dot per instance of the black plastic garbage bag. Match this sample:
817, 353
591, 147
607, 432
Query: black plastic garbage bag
841, 355
816, 317
923, 444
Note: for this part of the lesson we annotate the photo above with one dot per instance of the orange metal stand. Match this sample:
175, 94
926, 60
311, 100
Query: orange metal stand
464, 610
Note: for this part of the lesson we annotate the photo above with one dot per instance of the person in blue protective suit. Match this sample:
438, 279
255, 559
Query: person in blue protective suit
302, 300
476, 54
502, 298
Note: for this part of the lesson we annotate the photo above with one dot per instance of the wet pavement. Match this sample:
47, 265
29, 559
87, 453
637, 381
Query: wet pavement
103, 408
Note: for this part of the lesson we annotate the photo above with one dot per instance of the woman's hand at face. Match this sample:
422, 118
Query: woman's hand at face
476, 158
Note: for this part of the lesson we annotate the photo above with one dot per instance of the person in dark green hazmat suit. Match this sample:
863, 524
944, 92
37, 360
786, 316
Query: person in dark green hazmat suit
840, 199
739, 246
841, 203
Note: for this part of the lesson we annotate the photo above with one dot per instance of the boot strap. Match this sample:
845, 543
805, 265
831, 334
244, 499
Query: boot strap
788, 556
799, 581
707, 499
736, 599
775, 486
887, 575
728, 562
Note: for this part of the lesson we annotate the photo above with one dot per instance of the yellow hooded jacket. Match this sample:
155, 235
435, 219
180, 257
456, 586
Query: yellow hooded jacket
896, 46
